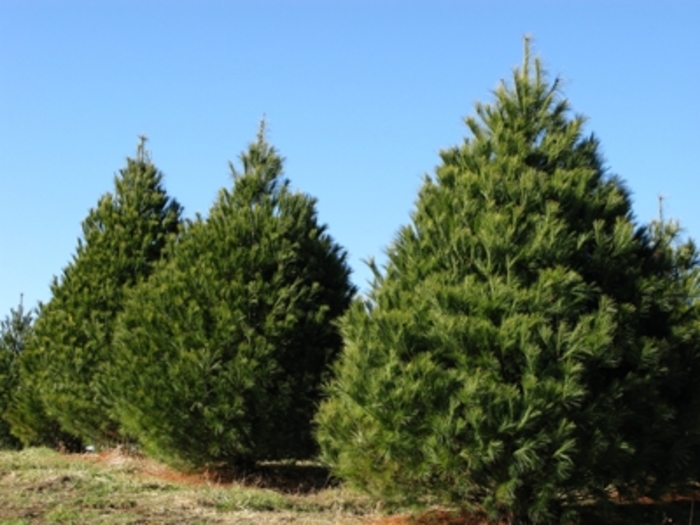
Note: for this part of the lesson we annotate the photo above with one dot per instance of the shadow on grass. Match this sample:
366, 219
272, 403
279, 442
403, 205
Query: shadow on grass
660, 513
287, 478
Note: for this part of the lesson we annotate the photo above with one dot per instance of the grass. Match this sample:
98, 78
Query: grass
40, 486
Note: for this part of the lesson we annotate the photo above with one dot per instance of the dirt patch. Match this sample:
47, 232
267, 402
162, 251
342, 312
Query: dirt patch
436, 517
140, 465
297, 478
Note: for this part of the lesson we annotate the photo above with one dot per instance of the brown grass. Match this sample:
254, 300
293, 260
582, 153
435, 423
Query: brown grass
40, 486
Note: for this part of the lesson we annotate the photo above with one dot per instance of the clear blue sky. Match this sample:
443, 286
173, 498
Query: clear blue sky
359, 96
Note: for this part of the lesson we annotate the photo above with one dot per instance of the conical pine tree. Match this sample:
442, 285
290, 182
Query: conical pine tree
520, 348
123, 238
222, 352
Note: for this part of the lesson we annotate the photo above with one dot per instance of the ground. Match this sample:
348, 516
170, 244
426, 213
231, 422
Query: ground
41, 486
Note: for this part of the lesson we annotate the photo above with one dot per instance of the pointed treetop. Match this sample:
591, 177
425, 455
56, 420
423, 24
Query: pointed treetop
526, 56
141, 153
261, 162
261, 129
661, 208
530, 106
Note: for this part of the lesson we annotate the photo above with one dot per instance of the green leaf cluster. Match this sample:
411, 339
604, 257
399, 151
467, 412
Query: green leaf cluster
221, 353
526, 345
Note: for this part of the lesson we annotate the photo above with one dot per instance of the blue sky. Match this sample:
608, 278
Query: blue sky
359, 96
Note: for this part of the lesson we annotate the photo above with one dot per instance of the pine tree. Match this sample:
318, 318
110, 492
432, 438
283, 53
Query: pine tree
222, 351
15, 331
124, 236
526, 344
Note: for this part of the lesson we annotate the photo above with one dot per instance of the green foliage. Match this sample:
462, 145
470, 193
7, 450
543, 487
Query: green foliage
15, 331
63, 368
23, 420
222, 352
526, 345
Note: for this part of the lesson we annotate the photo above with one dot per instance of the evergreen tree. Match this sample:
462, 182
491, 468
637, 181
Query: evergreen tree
222, 352
123, 238
15, 330
526, 344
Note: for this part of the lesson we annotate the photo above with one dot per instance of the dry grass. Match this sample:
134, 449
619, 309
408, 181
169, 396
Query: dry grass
40, 486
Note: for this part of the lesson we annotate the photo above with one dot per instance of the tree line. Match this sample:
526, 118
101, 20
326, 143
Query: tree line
527, 346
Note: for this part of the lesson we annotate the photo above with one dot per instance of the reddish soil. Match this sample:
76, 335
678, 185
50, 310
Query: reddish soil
289, 479
295, 479
141, 465
436, 518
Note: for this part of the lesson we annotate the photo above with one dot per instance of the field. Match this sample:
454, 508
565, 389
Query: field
40, 486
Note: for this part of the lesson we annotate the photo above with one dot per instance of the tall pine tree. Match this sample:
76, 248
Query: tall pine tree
526, 344
222, 352
124, 237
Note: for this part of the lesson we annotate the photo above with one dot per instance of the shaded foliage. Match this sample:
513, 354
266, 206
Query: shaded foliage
15, 331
